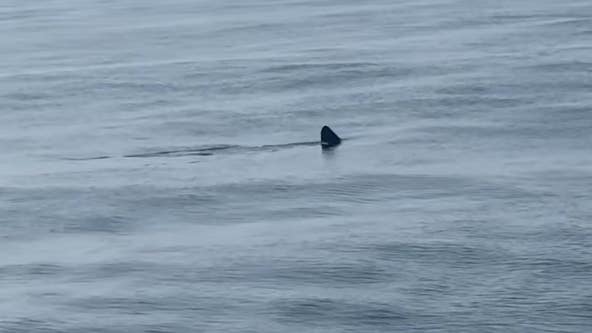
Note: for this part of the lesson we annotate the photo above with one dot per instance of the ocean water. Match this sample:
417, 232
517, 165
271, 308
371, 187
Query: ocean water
160, 172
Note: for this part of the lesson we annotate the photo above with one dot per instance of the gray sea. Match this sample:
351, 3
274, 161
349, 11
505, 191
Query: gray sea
160, 168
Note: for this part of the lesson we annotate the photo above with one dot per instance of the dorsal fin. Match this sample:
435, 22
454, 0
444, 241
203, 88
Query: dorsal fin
329, 138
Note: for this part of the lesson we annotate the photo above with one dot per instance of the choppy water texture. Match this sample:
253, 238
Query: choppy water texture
159, 170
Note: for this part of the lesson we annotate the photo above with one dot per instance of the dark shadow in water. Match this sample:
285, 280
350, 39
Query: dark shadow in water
329, 153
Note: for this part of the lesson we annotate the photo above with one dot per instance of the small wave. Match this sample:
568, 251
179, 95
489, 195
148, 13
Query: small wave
200, 151
91, 158
210, 150
319, 66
